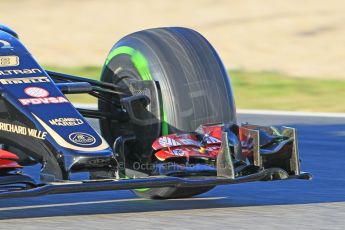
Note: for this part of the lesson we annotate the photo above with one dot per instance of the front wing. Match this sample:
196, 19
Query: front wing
225, 175
149, 182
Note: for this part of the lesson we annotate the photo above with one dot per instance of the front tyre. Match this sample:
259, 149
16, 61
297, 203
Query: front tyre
195, 88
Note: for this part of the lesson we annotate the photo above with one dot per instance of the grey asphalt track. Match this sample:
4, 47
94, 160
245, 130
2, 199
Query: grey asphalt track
295, 204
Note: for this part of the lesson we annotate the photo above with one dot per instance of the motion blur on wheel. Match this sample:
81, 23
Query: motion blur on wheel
167, 118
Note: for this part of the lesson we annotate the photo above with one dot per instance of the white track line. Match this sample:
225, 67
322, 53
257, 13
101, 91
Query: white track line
257, 112
103, 202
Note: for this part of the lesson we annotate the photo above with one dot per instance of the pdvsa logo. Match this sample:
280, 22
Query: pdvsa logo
36, 92
40, 96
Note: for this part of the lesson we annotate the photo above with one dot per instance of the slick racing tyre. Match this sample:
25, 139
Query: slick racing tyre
193, 83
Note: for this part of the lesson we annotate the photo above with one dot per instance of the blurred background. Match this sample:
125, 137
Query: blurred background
281, 55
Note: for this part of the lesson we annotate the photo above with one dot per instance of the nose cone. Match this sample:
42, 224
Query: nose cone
8, 30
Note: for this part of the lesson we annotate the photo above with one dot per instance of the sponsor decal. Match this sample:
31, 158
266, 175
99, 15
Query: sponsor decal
43, 100
19, 71
169, 142
212, 140
189, 142
178, 152
5, 45
40, 96
63, 143
24, 80
36, 92
66, 121
6, 61
212, 148
21, 130
82, 138
166, 141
